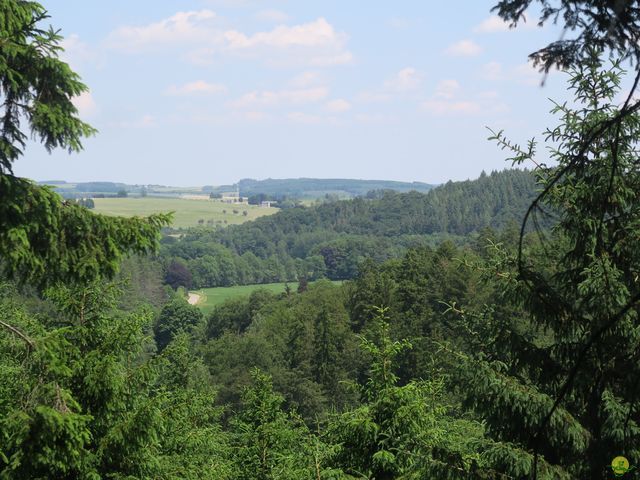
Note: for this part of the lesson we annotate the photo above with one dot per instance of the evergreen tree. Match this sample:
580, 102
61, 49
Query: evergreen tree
44, 240
269, 443
557, 383
402, 431
84, 407
194, 446
175, 317
604, 25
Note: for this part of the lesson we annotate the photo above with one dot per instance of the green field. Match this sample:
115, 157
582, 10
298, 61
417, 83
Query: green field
187, 212
210, 297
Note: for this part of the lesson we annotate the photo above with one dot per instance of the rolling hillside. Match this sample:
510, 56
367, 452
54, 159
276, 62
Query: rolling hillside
187, 213
334, 238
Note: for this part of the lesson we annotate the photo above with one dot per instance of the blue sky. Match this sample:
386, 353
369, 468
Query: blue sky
196, 92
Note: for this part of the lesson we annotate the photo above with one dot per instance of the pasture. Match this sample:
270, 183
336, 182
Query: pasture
188, 213
211, 297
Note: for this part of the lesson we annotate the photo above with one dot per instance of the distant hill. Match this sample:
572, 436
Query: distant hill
297, 188
87, 189
455, 208
319, 187
333, 238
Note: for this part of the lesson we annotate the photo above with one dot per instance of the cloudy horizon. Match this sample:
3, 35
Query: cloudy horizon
211, 91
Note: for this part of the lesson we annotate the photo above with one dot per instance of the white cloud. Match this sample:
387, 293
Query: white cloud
524, 74
494, 24
301, 117
443, 107
146, 121
199, 87
373, 118
527, 74
275, 16
331, 60
312, 34
78, 53
464, 48
306, 79
492, 71
447, 89
228, 3
284, 97
314, 43
399, 23
85, 104
491, 25
338, 105
448, 99
373, 97
183, 27
255, 116
489, 95
405, 80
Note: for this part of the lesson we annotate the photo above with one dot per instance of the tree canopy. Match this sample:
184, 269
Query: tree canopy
44, 240
499, 357
613, 26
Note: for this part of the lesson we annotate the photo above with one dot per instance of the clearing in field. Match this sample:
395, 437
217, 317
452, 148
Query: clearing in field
211, 297
188, 213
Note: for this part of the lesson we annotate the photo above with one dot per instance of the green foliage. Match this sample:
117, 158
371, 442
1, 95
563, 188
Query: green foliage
557, 377
194, 445
402, 431
611, 26
176, 316
236, 315
90, 403
333, 240
143, 279
83, 408
528, 369
302, 340
269, 443
35, 85
178, 275
44, 240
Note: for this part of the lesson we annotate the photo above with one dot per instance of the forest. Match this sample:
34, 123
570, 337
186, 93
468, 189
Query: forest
485, 329
332, 239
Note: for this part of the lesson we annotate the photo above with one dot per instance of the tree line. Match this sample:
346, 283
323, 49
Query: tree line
331, 240
512, 356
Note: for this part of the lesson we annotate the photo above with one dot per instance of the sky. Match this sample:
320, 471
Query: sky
207, 92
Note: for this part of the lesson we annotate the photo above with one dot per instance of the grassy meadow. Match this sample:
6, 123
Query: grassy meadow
211, 297
187, 212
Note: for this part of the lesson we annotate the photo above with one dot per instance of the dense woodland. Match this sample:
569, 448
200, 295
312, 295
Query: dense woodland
333, 239
499, 353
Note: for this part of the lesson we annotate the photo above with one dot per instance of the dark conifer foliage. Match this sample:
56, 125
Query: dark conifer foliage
44, 240
548, 377
502, 356
333, 239
601, 24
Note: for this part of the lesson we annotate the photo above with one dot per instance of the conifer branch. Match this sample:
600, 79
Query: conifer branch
28, 340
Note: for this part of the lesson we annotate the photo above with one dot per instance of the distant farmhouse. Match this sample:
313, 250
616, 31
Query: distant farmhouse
234, 198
